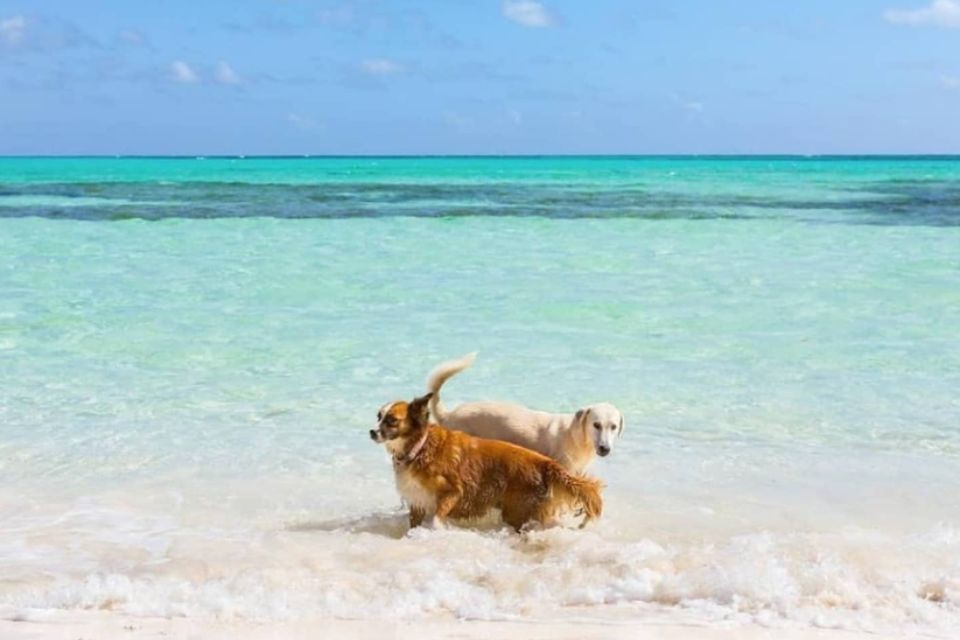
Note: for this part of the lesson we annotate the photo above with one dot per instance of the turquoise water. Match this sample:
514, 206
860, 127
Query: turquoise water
193, 351
920, 190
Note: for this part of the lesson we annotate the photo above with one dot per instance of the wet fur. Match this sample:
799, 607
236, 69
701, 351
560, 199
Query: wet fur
455, 475
573, 440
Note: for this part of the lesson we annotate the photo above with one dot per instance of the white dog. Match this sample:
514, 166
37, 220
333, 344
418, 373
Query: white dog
573, 440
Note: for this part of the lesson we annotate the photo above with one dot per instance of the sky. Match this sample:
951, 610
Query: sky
479, 76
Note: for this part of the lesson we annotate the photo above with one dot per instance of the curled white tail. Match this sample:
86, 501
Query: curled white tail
440, 374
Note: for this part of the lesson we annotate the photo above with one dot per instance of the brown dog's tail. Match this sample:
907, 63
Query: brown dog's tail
580, 491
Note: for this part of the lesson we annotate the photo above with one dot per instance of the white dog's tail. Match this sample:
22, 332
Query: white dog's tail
443, 372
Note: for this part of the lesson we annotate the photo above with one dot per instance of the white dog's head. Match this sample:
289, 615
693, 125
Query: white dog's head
602, 424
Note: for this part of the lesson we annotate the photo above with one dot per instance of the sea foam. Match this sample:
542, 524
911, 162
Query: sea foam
371, 567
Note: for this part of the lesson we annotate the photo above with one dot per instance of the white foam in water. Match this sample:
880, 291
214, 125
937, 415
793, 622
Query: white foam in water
135, 561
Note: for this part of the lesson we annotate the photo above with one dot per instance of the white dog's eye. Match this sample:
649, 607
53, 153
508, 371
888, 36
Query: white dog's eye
597, 426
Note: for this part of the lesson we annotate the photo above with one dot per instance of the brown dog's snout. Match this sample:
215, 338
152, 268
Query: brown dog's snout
373, 434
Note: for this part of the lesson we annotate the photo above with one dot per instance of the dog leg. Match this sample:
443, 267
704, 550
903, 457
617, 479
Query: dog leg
416, 517
446, 503
518, 516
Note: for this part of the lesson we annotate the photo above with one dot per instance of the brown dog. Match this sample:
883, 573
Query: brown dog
449, 474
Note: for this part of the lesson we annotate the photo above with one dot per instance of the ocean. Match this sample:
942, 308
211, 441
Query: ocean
192, 351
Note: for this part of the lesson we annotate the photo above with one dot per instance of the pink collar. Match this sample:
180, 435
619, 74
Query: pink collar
415, 450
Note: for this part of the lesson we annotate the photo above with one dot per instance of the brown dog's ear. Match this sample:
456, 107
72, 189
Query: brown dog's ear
419, 411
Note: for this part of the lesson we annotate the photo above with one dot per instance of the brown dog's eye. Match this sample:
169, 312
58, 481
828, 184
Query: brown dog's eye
596, 425
379, 415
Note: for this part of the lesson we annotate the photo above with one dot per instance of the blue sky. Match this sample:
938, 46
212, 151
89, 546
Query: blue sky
479, 76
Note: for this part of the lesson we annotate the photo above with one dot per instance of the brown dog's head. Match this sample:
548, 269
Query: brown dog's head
401, 419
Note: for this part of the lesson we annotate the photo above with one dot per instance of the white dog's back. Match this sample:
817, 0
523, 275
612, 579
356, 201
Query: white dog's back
537, 430
552, 434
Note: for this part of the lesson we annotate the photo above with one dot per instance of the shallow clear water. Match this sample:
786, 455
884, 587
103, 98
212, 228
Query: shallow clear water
192, 352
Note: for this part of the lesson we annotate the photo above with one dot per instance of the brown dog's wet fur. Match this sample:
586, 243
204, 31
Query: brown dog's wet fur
449, 474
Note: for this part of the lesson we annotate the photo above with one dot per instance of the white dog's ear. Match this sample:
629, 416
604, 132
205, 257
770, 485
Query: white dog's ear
581, 415
620, 430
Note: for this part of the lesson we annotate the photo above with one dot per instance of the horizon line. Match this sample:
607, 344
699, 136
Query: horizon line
200, 156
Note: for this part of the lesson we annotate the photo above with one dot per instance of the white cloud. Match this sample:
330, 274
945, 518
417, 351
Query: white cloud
223, 73
690, 106
134, 37
940, 13
381, 66
181, 72
301, 122
41, 34
528, 13
339, 16
226, 75
950, 82
12, 30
